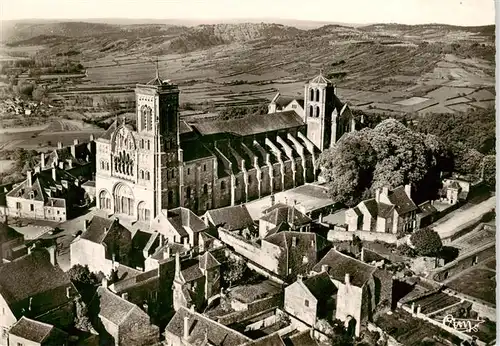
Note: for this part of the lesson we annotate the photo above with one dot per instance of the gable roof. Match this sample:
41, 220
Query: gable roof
339, 265
116, 309
201, 328
401, 201
251, 125
33, 276
284, 239
284, 213
182, 218
208, 261
35, 331
111, 129
320, 286
98, 229
320, 79
231, 218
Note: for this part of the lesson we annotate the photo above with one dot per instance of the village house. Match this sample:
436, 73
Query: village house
282, 214
196, 280
283, 103
45, 195
232, 218
35, 287
454, 190
119, 322
189, 328
311, 299
34, 333
361, 288
11, 243
179, 225
389, 212
284, 254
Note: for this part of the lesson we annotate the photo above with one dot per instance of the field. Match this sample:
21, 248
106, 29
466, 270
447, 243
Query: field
478, 282
46, 137
6, 165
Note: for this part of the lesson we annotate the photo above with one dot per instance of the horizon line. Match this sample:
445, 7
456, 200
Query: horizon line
247, 19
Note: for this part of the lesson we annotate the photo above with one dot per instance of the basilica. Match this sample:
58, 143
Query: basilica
164, 162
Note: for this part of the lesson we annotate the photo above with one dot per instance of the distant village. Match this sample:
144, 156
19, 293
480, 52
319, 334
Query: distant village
223, 233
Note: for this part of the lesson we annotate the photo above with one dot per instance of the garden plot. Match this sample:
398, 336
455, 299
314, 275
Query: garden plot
411, 101
445, 93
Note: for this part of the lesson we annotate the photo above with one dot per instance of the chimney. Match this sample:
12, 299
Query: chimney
347, 279
37, 169
320, 218
186, 327
68, 292
385, 191
419, 309
125, 295
54, 173
377, 195
299, 277
104, 282
362, 257
312, 243
76, 141
324, 268
91, 137
29, 174
30, 303
42, 160
413, 308
166, 253
177, 265
272, 200
408, 190
59, 145
294, 241
52, 253
73, 149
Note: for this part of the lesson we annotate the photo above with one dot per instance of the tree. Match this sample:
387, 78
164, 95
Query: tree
489, 170
233, 271
82, 320
426, 242
39, 93
389, 155
84, 280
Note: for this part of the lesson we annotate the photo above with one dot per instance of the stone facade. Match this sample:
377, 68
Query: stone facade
162, 162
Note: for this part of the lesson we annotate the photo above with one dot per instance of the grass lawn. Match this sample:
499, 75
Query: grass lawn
479, 283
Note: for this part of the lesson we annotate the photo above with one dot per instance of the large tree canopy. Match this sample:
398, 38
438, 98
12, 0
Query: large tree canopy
388, 155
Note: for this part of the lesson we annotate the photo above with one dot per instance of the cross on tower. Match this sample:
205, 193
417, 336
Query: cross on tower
321, 71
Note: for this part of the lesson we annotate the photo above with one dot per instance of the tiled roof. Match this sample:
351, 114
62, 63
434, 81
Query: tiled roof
33, 330
268, 340
320, 286
33, 276
140, 239
201, 328
371, 205
320, 79
284, 213
252, 124
303, 339
284, 100
192, 273
174, 248
98, 228
427, 208
208, 261
116, 309
339, 265
284, 239
194, 150
8, 233
454, 185
401, 201
111, 129
385, 210
182, 218
253, 292
231, 218
134, 281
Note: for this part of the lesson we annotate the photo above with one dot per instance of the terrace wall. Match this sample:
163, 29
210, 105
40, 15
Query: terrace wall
339, 235
464, 262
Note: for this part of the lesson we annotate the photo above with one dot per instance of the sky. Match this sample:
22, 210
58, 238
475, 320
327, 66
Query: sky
456, 12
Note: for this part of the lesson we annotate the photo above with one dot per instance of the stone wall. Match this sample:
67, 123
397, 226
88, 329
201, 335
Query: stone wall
301, 303
339, 235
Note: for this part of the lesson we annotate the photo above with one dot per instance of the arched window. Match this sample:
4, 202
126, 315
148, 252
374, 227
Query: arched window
147, 175
311, 94
142, 143
205, 189
311, 111
150, 119
143, 117
104, 200
317, 94
148, 144
317, 111
170, 197
142, 174
223, 185
188, 192
107, 166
